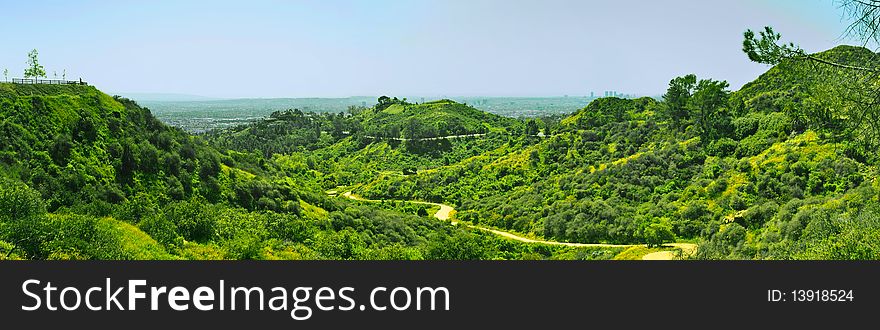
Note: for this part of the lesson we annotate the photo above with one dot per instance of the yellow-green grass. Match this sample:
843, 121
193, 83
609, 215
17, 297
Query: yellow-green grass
637, 252
136, 243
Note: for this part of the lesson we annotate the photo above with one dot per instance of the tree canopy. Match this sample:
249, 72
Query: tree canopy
34, 68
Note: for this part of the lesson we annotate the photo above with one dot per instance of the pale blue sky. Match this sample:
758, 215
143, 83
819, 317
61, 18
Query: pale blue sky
341, 48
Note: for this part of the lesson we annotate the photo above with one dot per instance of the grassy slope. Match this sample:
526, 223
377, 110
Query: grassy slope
73, 145
774, 160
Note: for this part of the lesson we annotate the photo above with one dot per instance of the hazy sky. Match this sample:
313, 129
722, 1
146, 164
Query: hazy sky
341, 48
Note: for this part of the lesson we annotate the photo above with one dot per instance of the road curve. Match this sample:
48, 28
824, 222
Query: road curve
445, 213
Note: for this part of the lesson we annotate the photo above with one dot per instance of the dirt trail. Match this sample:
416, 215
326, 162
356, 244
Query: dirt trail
445, 213
662, 255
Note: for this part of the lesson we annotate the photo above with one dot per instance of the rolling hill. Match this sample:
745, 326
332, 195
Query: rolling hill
84, 175
776, 170
774, 181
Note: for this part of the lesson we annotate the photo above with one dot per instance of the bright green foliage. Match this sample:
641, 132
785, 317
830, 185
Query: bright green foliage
767, 49
709, 105
22, 217
677, 99
283, 132
732, 169
119, 184
34, 69
431, 119
657, 233
758, 173
841, 83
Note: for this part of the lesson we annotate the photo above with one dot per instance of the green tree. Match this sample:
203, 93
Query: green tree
23, 211
709, 107
34, 69
345, 244
457, 246
658, 233
532, 127
384, 102
676, 99
338, 125
767, 49
414, 129
194, 220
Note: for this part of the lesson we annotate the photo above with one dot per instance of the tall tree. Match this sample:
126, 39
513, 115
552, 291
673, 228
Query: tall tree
676, 100
709, 108
532, 127
413, 129
338, 124
34, 69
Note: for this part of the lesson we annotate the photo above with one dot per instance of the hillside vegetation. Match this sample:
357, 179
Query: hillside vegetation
758, 173
776, 170
89, 176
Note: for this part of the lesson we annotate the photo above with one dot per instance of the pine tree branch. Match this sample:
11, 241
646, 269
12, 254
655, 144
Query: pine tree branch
840, 65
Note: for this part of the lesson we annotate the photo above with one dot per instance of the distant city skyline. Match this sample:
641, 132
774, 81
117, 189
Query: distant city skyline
268, 49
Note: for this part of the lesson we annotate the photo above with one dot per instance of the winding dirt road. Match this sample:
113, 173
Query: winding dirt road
446, 211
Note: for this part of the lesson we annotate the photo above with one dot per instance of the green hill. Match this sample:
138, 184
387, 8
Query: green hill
387, 139
289, 131
777, 170
764, 184
84, 175
793, 79
431, 119
816, 97
281, 133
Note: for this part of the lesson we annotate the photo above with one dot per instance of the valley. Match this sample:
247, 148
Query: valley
771, 171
